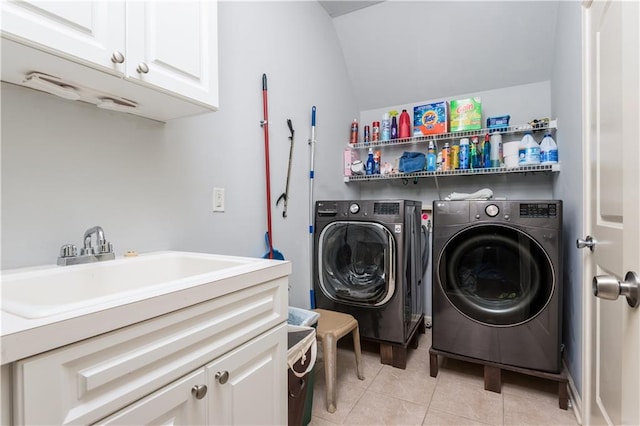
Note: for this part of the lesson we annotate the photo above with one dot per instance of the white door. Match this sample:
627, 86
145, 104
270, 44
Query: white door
182, 402
612, 203
173, 45
248, 386
89, 31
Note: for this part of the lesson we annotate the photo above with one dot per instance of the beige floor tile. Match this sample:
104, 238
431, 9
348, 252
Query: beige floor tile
377, 409
347, 394
468, 373
471, 402
410, 385
525, 385
522, 410
319, 421
435, 417
346, 366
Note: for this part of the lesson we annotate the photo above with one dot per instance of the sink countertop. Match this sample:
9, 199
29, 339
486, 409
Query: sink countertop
23, 337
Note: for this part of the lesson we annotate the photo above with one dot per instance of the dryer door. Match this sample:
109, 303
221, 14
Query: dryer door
356, 263
496, 275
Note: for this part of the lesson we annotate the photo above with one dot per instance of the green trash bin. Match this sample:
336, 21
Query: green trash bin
302, 317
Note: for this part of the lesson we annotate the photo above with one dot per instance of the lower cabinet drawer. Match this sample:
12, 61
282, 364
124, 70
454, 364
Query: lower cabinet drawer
89, 380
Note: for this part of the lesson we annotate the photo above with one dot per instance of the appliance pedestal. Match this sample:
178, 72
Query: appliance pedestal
492, 374
395, 354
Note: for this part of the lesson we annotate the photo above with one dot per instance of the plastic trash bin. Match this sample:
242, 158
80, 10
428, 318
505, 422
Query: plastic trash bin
304, 317
301, 358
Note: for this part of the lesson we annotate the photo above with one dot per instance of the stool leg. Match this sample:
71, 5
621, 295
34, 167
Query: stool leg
330, 365
356, 349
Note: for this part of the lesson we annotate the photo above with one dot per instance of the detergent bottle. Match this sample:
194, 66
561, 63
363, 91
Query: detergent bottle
405, 125
370, 162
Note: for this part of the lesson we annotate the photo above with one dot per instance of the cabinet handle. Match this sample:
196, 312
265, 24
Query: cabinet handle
117, 57
142, 68
222, 377
199, 391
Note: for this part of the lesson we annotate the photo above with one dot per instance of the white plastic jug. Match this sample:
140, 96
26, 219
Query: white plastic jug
529, 152
548, 150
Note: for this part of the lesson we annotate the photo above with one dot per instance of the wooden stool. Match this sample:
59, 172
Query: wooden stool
331, 327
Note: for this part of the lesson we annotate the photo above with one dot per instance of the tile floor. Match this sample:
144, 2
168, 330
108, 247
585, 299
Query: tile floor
391, 396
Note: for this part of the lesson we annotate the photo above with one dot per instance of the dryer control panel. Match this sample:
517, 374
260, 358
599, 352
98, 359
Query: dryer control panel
538, 210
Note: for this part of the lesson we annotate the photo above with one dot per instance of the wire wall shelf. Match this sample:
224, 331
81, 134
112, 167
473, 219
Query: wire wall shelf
553, 124
457, 172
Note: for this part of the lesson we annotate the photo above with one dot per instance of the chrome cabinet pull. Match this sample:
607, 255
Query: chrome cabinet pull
199, 391
222, 377
142, 68
117, 57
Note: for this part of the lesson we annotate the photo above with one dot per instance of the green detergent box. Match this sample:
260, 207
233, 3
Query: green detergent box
466, 114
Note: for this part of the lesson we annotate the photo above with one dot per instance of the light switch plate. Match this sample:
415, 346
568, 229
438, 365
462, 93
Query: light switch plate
218, 199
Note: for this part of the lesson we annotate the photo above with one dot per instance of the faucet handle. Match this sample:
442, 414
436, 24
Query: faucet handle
105, 247
68, 250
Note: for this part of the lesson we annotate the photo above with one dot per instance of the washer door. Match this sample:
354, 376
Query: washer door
356, 263
496, 275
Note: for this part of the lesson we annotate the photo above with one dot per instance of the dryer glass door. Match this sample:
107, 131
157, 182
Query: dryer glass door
356, 263
496, 275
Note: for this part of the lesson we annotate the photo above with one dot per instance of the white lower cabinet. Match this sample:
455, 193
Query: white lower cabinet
175, 404
156, 371
238, 388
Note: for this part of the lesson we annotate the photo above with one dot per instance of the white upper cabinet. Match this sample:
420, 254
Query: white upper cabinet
162, 57
86, 31
174, 46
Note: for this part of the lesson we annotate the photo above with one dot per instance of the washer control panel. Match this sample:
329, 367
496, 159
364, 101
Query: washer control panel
538, 210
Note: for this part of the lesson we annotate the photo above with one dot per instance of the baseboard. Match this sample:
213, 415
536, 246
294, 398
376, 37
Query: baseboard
427, 321
574, 397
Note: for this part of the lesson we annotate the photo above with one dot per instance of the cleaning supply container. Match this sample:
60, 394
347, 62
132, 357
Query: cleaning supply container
301, 358
548, 150
529, 152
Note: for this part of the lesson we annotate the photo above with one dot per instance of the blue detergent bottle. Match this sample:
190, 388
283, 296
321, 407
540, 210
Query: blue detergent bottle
431, 157
370, 163
464, 153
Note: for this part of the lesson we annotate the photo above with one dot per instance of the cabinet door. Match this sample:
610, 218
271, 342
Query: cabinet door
173, 46
249, 384
175, 404
87, 31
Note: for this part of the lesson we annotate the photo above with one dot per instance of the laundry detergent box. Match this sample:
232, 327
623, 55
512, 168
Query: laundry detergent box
431, 119
466, 114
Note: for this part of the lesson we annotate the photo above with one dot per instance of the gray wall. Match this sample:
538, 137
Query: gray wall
67, 166
566, 104
497, 102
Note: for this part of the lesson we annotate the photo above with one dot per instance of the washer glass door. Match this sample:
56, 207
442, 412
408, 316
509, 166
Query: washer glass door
356, 263
496, 275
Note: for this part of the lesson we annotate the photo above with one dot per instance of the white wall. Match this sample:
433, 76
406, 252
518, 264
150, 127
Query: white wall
67, 166
566, 101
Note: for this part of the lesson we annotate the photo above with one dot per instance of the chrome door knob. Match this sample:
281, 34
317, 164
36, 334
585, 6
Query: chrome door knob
142, 68
587, 242
199, 391
222, 377
117, 57
608, 287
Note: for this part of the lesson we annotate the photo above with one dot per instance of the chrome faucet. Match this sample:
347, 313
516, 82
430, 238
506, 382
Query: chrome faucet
88, 253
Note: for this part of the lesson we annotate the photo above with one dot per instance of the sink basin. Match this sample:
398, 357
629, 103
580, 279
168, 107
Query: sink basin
43, 292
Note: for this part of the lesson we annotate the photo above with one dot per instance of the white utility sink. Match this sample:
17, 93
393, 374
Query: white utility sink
51, 290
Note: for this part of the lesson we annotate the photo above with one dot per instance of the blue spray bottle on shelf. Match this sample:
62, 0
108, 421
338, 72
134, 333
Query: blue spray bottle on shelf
486, 152
370, 163
431, 157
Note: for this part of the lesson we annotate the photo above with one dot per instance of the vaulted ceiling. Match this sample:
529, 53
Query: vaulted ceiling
399, 52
